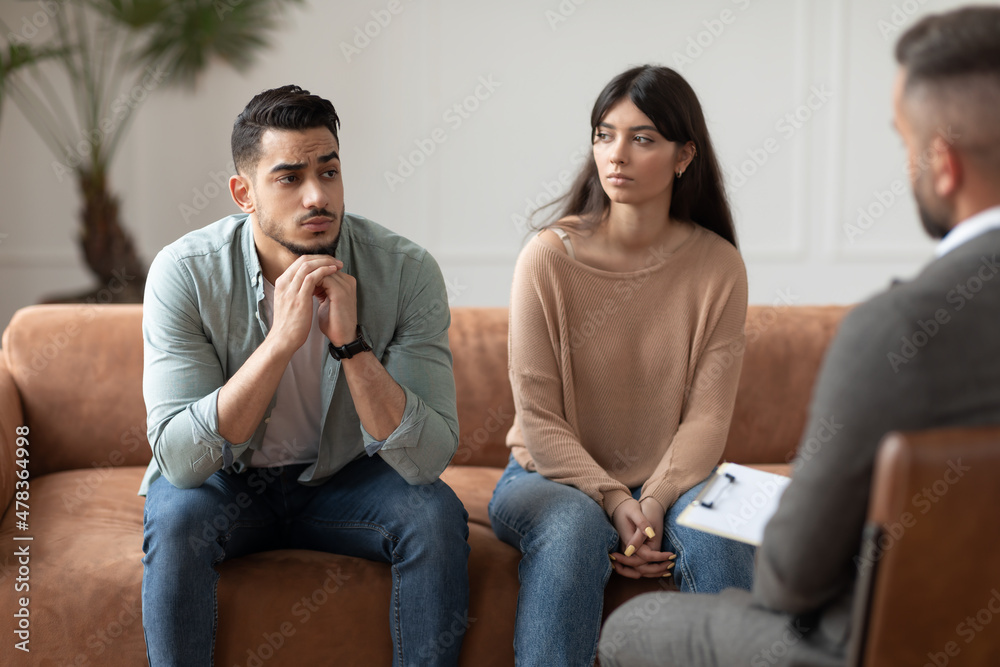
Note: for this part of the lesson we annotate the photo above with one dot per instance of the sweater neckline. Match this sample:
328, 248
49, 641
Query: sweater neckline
665, 258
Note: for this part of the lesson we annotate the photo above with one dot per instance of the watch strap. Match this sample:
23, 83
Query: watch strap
357, 346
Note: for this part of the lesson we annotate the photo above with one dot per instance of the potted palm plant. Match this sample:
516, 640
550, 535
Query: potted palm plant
80, 69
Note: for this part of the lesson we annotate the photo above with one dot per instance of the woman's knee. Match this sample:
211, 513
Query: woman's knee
574, 529
708, 563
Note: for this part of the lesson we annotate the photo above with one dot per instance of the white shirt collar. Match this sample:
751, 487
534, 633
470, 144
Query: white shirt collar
968, 229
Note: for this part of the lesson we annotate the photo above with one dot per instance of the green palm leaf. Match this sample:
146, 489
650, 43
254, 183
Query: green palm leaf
104, 50
185, 35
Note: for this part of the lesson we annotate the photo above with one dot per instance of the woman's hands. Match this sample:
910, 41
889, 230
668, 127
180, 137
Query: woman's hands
640, 527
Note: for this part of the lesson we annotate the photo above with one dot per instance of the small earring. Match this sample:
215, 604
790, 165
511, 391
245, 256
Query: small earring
679, 174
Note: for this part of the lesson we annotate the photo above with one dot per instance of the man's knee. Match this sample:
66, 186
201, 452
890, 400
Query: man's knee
434, 509
617, 636
194, 518
622, 637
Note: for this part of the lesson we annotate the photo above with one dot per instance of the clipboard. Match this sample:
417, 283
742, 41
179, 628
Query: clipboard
736, 503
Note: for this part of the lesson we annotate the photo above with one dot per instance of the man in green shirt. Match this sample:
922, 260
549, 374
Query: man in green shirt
297, 369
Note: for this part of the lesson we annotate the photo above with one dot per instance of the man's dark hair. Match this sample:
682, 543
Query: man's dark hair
285, 108
957, 44
952, 67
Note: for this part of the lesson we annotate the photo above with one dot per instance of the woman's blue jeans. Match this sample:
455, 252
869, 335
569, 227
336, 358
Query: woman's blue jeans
565, 538
365, 510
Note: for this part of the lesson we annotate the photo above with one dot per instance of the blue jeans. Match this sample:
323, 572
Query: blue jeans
366, 510
565, 538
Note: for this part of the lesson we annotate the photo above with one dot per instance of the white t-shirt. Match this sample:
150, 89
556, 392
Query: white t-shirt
292, 434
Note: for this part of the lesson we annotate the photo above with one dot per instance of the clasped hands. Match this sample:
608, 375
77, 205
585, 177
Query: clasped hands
640, 529
309, 277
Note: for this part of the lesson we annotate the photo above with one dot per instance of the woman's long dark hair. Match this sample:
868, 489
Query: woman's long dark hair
670, 102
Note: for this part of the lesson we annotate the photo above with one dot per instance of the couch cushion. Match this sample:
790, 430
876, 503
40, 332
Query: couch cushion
86, 581
86, 575
785, 347
474, 486
79, 372
478, 339
85, 568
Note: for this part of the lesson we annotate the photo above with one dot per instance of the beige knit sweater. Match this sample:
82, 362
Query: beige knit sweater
626, 379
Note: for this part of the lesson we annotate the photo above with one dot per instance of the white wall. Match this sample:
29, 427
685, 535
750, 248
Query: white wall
758, 60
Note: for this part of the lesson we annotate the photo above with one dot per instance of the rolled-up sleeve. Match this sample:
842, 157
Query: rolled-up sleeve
181, 379
419, 359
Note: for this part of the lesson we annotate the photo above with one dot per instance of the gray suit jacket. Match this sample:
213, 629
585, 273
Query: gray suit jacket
923, 354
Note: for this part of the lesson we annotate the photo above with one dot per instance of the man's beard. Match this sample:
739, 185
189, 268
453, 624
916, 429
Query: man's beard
935, 214
273, 231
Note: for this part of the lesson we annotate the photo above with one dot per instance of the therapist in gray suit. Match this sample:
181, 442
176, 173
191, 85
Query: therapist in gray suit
922, 354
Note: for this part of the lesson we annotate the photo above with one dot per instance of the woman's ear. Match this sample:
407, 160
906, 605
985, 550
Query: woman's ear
685, 156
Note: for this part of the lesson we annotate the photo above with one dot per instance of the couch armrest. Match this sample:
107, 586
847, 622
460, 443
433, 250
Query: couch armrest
11, 416
931, 558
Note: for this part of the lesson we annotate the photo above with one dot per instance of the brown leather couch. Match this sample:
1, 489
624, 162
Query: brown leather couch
72, 376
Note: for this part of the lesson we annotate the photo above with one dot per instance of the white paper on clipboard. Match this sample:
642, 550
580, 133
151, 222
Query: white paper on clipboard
736, 503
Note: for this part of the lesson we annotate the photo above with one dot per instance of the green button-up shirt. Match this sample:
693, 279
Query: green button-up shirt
202, 320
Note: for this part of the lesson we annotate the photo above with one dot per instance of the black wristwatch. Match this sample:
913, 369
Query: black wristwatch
357, 346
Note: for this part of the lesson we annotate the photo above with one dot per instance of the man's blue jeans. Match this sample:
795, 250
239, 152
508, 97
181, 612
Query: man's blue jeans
565, 538
366, 510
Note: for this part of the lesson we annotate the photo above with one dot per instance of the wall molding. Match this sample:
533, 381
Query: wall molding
842, 249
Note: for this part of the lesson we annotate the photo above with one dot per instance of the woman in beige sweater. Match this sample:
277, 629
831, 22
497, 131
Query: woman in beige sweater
626, 339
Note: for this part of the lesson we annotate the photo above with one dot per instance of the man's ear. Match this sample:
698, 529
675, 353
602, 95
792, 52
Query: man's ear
242, 191
946, 168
